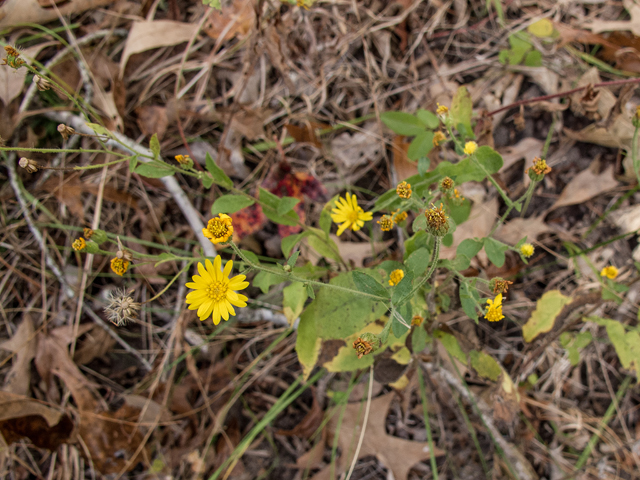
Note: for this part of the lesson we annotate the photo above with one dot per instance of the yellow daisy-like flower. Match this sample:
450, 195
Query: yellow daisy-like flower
404, 190
494, 309
119, 266
526, 250
610, 272
219, 229
395, 277
386, 223
470, 148
214, 292
399, 216
442, 110
349, 214
79, 244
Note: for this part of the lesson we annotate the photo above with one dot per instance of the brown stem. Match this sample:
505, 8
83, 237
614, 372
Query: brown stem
563, 94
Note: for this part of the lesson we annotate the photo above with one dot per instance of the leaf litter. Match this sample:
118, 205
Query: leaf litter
299, 73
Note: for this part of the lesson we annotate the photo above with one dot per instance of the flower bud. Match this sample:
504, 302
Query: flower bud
99, 236
538, 170
91, 247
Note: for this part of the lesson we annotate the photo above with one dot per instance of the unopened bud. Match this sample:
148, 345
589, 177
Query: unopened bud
98, 236
91, 247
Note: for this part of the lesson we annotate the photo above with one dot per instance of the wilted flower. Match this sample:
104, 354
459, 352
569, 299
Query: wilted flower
499, 285
42, 83
29, 165
65, 131
362, 347
438, 138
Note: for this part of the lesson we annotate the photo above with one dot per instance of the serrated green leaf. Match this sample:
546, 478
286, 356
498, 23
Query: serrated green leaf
495, 251
219, 177
402, 123
419, 339
489, 159
421, 145
310, 292
231, 204
152, 170
419, 223
154, 146
252, 257
544, 316
626, 344
367, 284
429, 119
293, 258
206, 179
308, 344
485, 365
286, 204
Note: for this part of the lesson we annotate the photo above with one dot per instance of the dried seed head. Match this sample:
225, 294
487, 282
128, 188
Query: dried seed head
65, 131
29, 165
42, 83
362, 347
121, 308
499, 285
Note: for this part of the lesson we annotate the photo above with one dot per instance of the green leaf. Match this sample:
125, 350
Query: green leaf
485, 365
495, 251
574, 355
293, 258
418, 262
308, 344
583, 339
270, 204
420, 239
231, 204
325, 215
252, 257
286, 204
533, 59
626, 344
543, 318
206, 179
397, 327
99, 129
401, 290
340, 314
451, 345
324, 246
294, 297
418, 339
470, 247
367, 284
290, 241
461, 109
219, 177
419, 223
466, 170
429, 119
468, 301
421, 145
310, 292
133, 163
489, 159
154, 146
153, 170
402, 123
423, 165
461, 262
264, 280
213, 4
388, 200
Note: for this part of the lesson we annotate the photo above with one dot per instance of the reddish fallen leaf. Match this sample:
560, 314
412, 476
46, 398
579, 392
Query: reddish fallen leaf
152, 119
309, 423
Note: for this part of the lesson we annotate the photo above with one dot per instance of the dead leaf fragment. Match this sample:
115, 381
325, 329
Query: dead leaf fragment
14, 12
23, 345
152, 119
232, 21
586, 185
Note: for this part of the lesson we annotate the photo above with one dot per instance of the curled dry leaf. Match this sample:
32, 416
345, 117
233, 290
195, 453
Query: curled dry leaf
23, 345
14, 12
585, 186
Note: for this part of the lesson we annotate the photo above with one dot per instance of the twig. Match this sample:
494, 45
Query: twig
364, 425
189, 212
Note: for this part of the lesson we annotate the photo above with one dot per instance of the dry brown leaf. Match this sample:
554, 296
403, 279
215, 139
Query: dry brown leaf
627, 219
618, 133
12, 81
592, 103
513, 231
144, 36
152, 119
351, 252
23, 345
586, 185
96, 343
236, 19
14, 12
22, 417
309, 423
304, 134
479, 224
527, 148
353, 150
397, 454
405, 168
633, 25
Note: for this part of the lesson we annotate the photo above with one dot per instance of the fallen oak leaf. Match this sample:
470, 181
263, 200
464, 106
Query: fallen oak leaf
585, 186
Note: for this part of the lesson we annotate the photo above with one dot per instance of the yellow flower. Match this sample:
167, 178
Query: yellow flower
119, 266
610, 272
399, 216
219, 229
417, 320
442, 110
404, 190
386, 223
494, 309
349, 214
526, 250
470, 148
438, 138
395, 277
214, 293
79, 244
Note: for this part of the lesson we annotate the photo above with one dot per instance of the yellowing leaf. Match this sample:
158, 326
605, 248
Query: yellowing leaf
485, 365
542, 28
542, 319
627, 344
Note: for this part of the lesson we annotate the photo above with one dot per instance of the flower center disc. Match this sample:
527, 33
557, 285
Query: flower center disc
218, 229
217, 291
